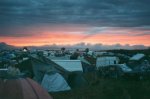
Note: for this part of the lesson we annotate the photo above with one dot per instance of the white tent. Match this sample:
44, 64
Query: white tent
137, 57
106, 61
54, 83
70, 65
124, 68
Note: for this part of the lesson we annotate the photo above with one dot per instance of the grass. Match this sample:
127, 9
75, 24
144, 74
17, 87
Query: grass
109, 89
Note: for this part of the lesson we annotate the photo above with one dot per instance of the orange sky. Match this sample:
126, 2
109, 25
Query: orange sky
48, 38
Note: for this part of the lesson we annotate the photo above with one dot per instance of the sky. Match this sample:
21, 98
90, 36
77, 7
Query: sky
70, 22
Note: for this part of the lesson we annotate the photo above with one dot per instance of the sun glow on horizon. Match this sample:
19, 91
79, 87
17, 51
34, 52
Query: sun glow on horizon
71, 39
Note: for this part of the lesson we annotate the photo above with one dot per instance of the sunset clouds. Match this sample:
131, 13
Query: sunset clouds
62, 22
69, 35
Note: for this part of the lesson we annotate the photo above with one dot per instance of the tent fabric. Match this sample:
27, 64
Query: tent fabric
39, 70
47, 61
124, 68
39, 66
87, 68
35, 67
26, 67
70, 65
22, 89
77, 80
137, 57
54, 83
106, 61
42, 65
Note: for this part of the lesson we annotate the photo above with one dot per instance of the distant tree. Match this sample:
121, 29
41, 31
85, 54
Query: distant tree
86, 50
63, 49
77, 50
75, 55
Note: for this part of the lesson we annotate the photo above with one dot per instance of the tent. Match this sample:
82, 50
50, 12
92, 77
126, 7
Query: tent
76, 77
42, 67
124, 67
47, 73
22, 88
137, 57
76, 80
35, 67
106, 61
70, 65
87, 66
54, 82
26, 67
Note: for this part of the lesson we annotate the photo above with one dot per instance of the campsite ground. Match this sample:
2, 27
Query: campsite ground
109, 89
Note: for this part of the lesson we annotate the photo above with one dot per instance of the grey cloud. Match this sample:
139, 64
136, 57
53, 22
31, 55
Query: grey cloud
17, 32
96, 30
70, 11
29, 30
97, 13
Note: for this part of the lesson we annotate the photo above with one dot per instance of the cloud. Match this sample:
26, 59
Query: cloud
124, 31
93, 12
100, 46
19, 31
19, 17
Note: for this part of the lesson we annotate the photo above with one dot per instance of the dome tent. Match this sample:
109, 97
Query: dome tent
43, 70
22, 88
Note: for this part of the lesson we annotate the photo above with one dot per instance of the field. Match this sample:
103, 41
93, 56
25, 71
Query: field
109, 89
